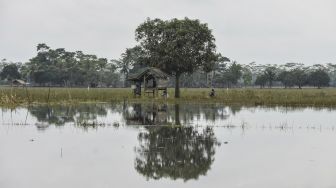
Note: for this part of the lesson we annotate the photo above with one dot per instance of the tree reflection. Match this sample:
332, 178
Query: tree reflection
175, 152
86, 115
61, 114
57, 115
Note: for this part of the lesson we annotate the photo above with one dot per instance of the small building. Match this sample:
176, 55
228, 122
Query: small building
18, 82
151, 79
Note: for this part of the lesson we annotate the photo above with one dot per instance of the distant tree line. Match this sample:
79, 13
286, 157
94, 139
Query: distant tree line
231, 74
293, 75
58, 67
183, 48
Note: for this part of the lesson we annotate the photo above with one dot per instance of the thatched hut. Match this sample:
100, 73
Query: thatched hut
18, 82
152, 79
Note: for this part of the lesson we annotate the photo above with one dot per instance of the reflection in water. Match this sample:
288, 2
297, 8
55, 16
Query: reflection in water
157, 114
87, 115
166, 142
59, 115
150, 114
181, 152
167, 148
174, 114
175, 152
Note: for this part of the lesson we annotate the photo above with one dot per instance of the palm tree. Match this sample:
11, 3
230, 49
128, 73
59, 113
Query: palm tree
124, 67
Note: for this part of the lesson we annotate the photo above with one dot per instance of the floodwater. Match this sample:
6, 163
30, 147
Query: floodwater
167, 145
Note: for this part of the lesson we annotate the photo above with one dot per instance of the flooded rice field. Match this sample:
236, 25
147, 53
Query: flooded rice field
167, 145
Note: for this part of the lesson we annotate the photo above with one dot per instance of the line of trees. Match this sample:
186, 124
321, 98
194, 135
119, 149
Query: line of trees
183, 48
58, 67
295, 75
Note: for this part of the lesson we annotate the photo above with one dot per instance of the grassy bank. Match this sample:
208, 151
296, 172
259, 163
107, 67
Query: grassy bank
291, 97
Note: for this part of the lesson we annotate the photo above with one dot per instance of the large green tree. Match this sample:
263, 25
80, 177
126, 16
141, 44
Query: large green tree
247, 75
261, 80
286, 78
10, 72
177, 46
299, 77
270, 75
319, 78
63, 68
131, 60
234, 73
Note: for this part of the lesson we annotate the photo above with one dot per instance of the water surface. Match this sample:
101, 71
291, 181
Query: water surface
167, 145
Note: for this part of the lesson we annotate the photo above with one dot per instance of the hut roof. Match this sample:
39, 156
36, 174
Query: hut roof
18, 81
155, 72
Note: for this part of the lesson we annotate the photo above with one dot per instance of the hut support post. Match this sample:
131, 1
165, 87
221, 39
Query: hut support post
144, 84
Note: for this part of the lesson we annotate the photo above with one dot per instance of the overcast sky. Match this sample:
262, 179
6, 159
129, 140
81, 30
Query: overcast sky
264, 31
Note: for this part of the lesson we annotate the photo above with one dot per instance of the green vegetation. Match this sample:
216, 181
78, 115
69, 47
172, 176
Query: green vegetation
10, 72
289, 97
63, 68
177, 46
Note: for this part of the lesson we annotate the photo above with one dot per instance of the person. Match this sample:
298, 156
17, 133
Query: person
138, 89
164, 93
212, 93
154, 83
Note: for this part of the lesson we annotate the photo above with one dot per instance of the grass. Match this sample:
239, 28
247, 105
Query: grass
289, 97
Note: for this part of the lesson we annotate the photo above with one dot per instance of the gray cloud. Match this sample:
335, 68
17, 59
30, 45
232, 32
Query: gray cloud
264, 31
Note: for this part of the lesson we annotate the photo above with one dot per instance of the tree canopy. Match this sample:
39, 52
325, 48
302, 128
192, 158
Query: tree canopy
10, 72
319, 78
177, 46
60, 67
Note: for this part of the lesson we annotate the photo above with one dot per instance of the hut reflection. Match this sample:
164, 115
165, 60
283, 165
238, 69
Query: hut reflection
173, 114
147, 114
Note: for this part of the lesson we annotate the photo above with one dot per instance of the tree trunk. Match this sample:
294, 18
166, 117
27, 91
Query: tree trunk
126, 76
177, 85
177, 114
